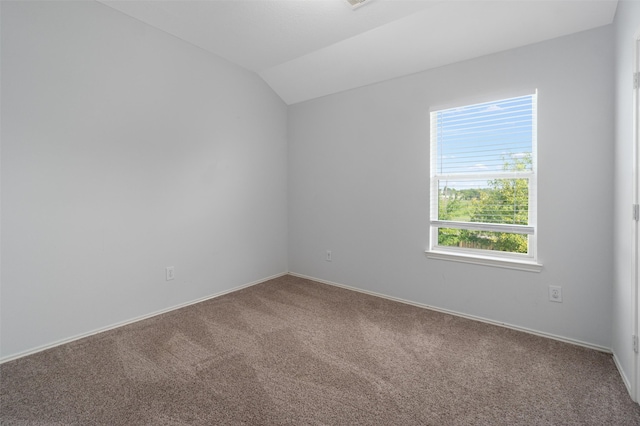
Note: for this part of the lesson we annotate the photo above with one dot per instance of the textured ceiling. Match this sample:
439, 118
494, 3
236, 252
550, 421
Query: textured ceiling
309, 48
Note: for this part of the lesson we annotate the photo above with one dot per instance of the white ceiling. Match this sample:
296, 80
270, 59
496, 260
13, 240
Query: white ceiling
305, 49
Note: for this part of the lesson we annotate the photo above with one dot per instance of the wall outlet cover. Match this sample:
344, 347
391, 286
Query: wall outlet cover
170, 273
555, 293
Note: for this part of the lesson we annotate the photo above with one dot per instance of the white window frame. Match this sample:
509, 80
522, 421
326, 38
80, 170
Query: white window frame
520, 261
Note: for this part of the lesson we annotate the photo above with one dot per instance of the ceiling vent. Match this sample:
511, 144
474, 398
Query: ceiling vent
357, 3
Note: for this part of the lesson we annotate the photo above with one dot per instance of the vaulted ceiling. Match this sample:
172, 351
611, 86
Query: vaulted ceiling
305, 49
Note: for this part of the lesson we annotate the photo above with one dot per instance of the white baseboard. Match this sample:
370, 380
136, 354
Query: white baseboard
396, 299
460, 314
131, 321
625, 379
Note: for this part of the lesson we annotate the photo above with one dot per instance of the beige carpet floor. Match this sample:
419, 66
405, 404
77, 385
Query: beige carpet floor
291, 352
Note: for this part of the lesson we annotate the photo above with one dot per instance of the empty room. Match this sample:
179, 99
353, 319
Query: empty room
323, 212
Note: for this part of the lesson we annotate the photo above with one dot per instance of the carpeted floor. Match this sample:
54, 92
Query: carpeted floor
292, 351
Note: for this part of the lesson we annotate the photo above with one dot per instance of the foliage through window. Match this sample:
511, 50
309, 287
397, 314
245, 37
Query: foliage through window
483, 178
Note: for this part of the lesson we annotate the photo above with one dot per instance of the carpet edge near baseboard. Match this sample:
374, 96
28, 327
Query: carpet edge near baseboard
625, 379
462, 315
133, 320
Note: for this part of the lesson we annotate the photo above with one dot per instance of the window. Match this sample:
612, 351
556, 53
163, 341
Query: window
483, 181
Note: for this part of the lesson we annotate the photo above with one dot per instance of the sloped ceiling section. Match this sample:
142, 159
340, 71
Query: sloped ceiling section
305, 49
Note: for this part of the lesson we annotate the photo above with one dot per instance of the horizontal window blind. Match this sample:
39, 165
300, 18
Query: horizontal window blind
484, 138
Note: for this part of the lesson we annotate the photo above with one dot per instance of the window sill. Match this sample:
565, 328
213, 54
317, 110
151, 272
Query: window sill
521, 265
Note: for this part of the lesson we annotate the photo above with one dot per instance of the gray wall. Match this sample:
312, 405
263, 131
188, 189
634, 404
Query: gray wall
627, 25
359, 186
125, 150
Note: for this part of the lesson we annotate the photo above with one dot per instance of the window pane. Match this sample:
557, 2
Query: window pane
485, 240
481, 138
493, 201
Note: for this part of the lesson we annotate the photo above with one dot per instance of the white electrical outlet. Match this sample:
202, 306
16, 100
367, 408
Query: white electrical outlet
328, 258
171, 273
555, 293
